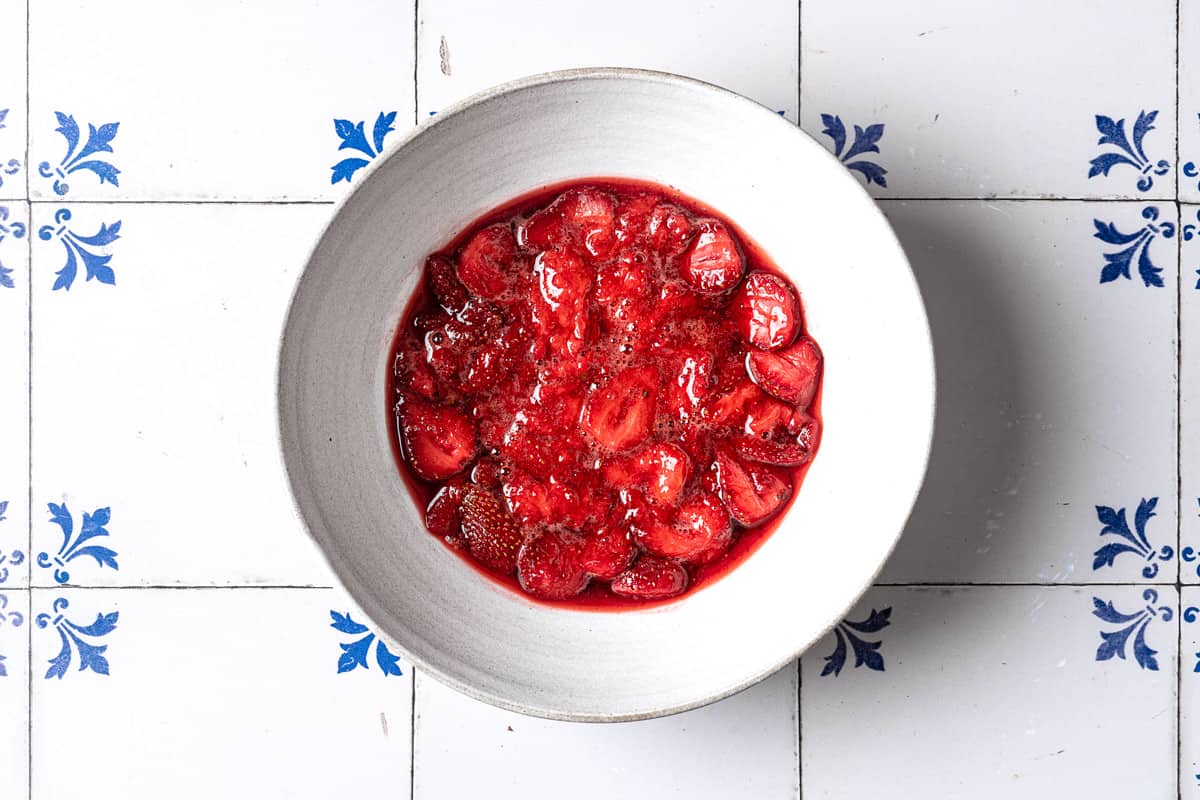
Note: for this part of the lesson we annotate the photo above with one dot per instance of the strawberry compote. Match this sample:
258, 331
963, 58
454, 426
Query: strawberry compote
603, 394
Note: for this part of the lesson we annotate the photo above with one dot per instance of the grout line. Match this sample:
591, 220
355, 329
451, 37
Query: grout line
118, 202
799, 59
412, 741
1178, 429
416, 61
71, 587
1021, 584
799, 725
29, 411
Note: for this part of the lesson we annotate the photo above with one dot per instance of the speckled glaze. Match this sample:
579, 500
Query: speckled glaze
794, 200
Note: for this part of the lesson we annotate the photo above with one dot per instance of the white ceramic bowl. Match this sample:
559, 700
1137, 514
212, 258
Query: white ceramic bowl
790, 196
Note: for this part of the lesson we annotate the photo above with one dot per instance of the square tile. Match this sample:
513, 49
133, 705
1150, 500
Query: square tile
963, 110
995, 692
14, 394
1189, 393
1189, 101
1189, 694
743, 746
1054, 447
14, 693
466, 46
153, 403
258, 100
12, 99
246, 692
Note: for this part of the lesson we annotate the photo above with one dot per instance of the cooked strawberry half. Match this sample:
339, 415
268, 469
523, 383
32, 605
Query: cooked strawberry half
485, 261
712, 263
591, 218
493, 537
790, 374
526, 498
549, 567
443, 516
438, 441
768, 451
607, 552
751, 492
490, 365
633, 216
766, 311
413, 372
488, 472
620, 414
651, 578
444, 283
699, 524
562, 284
669, 230
658, 470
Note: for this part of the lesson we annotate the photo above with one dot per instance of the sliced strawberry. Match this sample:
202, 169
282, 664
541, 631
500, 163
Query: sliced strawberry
651, 578
751, 492
768, 417
485, 262
550, 567
526, 498
608, 552
621, 414
712, 263
659, 470
490, 365
493, 538
669, 229
487, 472
768, 451
699, 524
412, 371
560, 307
544, 230
790, 374
444, 283
729, 408
690, 384
766, 311
443, 515
437, 441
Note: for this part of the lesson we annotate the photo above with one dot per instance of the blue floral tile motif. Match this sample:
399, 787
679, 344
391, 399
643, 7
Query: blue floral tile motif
866, 140
99, 140
77, 639
1113, 643
12, 166
1134, 245
14, 229
354, 654
92, 527
1132, 155
12, 618
866, 654
1117, 524
1189, 232
81, 248
354, 137
13, 558
1190, 554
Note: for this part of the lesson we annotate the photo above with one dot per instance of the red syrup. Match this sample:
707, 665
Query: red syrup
603, 395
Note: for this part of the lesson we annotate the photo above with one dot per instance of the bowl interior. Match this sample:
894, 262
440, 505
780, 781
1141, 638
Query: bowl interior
806, 212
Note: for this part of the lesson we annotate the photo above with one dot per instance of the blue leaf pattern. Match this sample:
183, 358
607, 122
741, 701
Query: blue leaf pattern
866, 654
355, 654
866, 140
1113, 133
353, 136
99, 140
1118, 264
76, 640
1114, 643
93, 525
78, 248
1137, 541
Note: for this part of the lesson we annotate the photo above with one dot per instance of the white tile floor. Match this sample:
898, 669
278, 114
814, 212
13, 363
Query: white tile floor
1025, 630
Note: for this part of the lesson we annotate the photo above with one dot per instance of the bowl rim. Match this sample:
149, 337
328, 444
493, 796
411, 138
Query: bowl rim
422, 128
